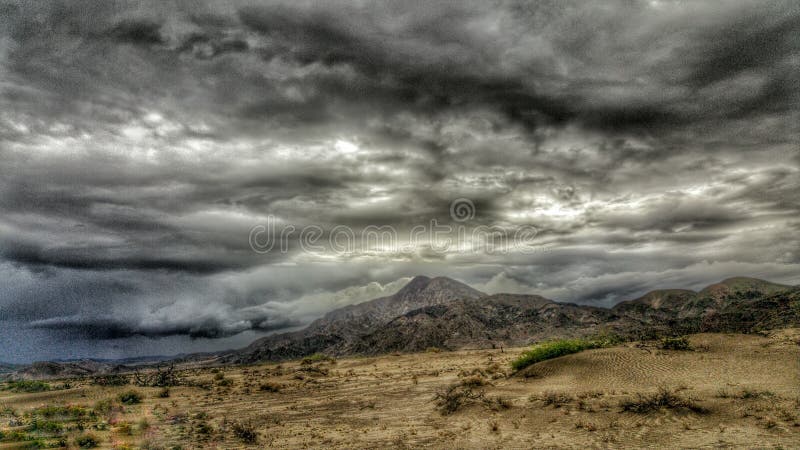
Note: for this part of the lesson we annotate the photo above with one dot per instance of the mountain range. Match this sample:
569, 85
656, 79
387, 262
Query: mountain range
447, 314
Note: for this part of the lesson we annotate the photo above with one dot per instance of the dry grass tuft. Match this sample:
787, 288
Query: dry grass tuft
467, 391
245, 432
553, 398
663, 399
270, 387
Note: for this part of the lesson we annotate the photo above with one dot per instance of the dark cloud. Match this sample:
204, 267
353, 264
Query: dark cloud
137, 32
116, 328
651, 144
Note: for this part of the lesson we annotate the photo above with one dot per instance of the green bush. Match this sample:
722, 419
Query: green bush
554, 349
225, 382
676, 343
36, 444
45, 426
64, 412
87, 441
130, 398
28, 386
14, 436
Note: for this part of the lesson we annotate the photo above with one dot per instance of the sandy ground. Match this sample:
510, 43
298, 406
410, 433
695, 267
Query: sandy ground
747, 385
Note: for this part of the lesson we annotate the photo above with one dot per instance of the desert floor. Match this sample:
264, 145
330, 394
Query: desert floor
729, 391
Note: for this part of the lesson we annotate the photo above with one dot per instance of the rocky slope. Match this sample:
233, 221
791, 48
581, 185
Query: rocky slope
755, 303
339, 331
491, 321
447, 314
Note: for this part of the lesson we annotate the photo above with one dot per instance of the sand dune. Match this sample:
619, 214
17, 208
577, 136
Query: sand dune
747, 385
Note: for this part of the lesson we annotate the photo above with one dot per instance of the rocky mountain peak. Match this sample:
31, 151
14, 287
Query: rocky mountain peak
422, 288
417, 284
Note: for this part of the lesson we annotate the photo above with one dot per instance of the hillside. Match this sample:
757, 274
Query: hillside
339, 331
447, 314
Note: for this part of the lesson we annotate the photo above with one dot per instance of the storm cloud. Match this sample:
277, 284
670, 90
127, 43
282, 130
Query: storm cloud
650, 143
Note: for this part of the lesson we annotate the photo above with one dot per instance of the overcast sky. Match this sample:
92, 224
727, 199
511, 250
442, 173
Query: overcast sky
651, 144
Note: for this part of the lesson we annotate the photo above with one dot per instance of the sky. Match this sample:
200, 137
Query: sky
145, 147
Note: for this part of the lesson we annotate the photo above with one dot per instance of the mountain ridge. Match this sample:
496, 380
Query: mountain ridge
445, 313
441, 312
337, 330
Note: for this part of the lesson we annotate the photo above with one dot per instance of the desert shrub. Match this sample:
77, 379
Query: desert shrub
553, 398
498, 403
203, 384
433, 350
554, 349
218, 375
68, 411
474, 381
224, 382
124, 428
163, 376
455, 397
675, 343
111, 380
130, 397
28, 386
662, 399
458, 395
163, 393
204, 428
744, 394
87, 441
317, 358
245, 432
104, 406
22, 440
45, 426
36, 443
768, 423
590, 394
13, 436
313, 370
750, 394
724, 393
495, 371
270, 387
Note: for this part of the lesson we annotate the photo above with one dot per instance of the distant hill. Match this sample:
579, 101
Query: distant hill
8, 367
